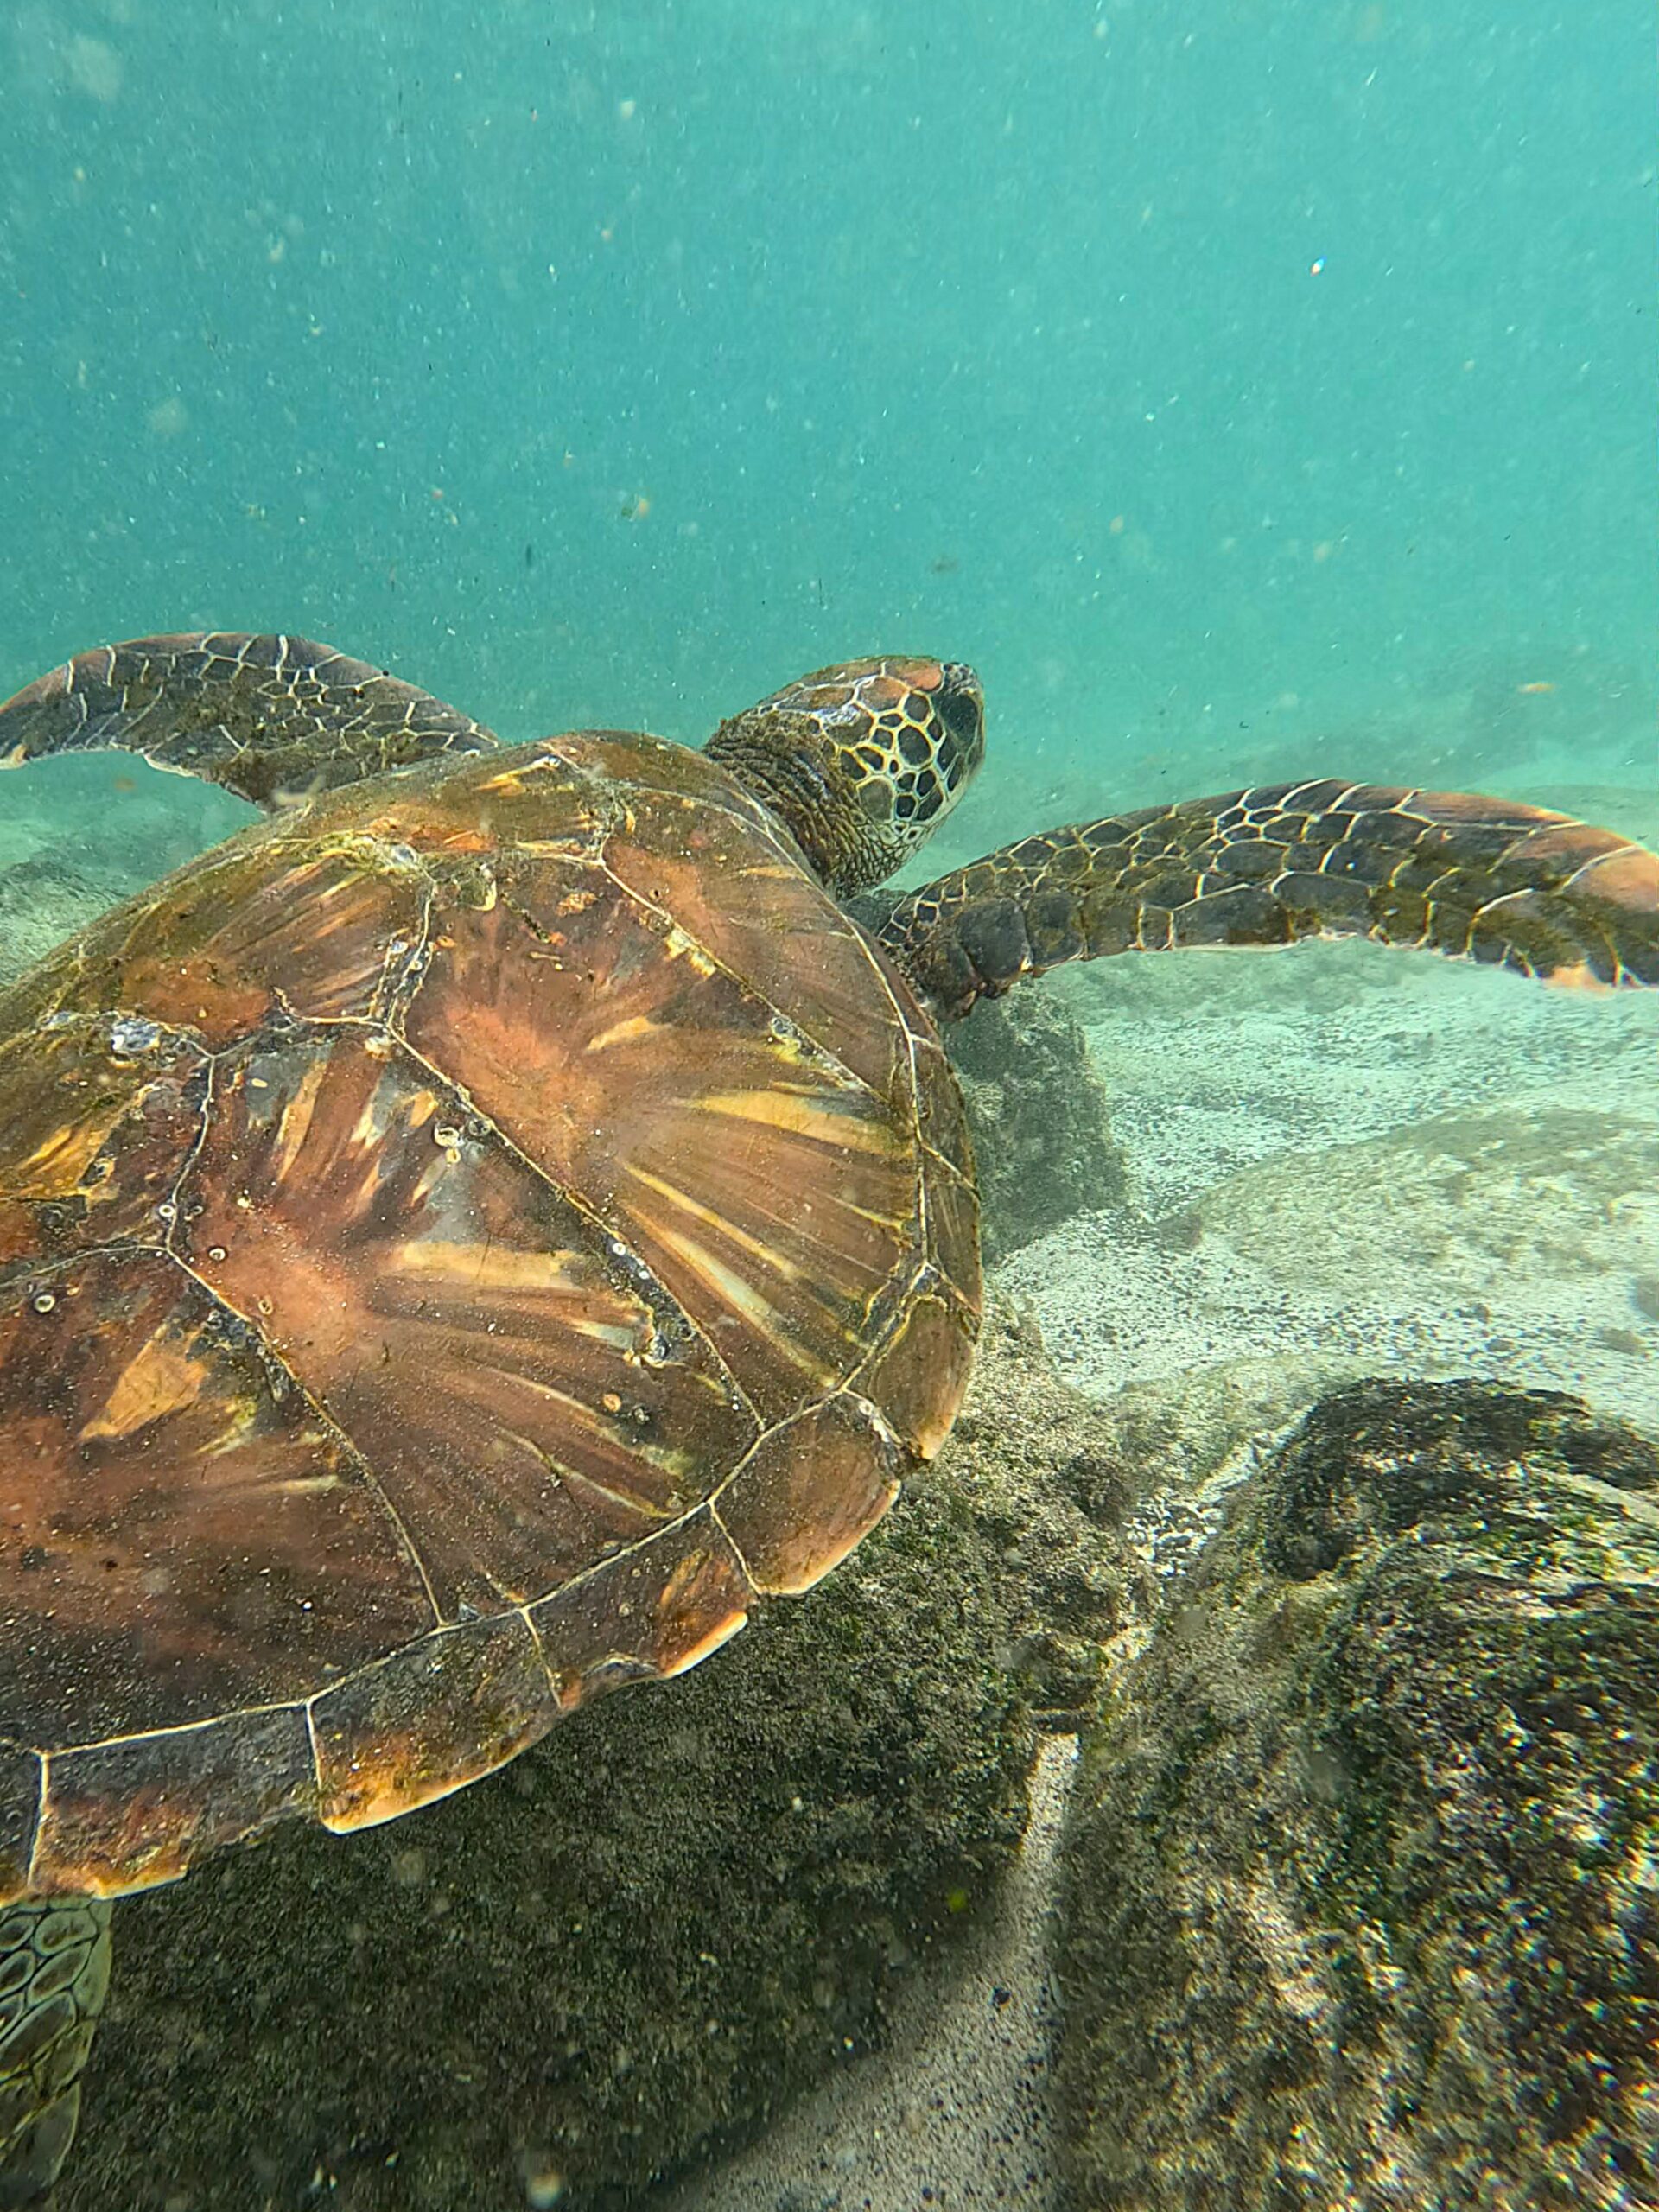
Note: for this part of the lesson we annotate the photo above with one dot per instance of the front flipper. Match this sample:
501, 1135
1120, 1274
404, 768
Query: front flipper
272, 719
1479, 879
54, 1968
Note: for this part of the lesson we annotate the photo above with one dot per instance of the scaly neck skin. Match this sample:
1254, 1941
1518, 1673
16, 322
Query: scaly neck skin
779, 760
861, 762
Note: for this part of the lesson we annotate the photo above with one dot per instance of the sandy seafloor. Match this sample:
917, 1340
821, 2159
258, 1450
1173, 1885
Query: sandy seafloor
1343, 1160
1358, 1155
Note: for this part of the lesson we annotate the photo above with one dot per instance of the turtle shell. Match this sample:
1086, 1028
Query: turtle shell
460, 1245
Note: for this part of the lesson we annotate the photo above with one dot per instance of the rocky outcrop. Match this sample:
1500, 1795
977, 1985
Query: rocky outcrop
1038, 1114
1364, 1885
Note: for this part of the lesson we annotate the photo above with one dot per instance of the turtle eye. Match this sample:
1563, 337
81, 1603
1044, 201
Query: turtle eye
960, 707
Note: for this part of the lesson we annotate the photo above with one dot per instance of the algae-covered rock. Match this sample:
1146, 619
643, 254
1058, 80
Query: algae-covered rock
1042, 1475
1364, 1883
634, 1944
1038, 1116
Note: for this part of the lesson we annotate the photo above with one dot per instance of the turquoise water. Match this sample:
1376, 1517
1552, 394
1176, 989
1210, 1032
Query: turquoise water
613, 364
1248, 389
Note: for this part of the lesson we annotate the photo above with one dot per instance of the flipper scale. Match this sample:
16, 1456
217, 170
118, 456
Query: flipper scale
270, 717
1457, 873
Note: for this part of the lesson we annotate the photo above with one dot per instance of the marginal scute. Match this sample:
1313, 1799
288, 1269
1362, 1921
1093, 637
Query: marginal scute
131, 1814
811, 1489
20, 1778
432, 1717
919, 1377
652, 1612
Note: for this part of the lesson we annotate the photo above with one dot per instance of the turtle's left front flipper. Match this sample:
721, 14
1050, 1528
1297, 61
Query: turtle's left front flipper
270, 718
1476, 878
54, 1968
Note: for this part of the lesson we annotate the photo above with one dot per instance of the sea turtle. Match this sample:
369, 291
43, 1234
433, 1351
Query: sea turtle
466, 1239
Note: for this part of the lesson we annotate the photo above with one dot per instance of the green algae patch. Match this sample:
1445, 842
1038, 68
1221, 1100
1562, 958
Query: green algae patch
1362, 1899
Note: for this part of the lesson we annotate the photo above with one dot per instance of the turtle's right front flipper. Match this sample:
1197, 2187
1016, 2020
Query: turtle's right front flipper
1456, 873
270, 718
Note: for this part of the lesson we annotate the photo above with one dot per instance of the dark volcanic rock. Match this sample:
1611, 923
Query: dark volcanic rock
1363, 1902
1038, 1114
1037, 1110
633, 1945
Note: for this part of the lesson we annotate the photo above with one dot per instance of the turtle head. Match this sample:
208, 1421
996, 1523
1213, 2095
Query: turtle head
862, 762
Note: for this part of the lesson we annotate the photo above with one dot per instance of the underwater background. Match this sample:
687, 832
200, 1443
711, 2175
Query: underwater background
1246, 389
1251, 390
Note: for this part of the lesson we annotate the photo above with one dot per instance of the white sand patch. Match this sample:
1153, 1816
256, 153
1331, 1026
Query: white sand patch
1414, 1165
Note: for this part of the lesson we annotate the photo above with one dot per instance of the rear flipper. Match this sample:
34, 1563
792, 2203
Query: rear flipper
272, 719
54, 1968
1479, 879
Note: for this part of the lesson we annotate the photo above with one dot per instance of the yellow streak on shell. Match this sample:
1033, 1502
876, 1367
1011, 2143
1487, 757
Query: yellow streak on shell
799, 1111
752, 1245
623, 1032
160, 1378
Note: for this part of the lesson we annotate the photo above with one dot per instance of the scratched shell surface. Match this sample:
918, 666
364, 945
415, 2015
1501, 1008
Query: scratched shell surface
460, 1245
